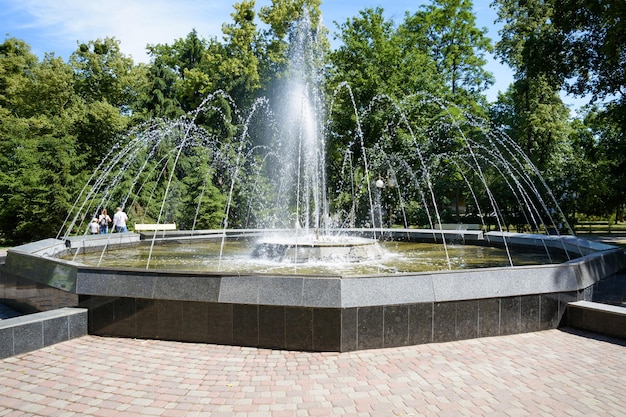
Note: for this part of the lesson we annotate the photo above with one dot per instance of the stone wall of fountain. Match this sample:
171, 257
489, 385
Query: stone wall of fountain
318, 313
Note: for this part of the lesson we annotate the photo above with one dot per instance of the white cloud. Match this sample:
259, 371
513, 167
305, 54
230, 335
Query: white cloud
135, 23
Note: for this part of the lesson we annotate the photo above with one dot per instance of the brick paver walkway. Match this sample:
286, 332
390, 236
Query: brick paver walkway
550, 373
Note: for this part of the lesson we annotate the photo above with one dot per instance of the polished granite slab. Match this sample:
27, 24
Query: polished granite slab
323, 329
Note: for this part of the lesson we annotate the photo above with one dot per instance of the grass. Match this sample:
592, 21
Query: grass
615, 233
600, 227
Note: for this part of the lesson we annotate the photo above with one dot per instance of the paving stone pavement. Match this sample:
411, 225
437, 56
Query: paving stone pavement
548, 373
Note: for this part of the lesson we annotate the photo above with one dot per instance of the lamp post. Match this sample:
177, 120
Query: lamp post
381, 184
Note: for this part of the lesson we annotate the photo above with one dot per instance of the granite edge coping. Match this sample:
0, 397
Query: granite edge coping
606, 308
41, 316
35, 331
344, 292
565, 242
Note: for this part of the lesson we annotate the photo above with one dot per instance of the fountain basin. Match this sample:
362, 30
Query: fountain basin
321, 312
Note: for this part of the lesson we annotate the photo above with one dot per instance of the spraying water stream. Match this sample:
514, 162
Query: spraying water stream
273, 172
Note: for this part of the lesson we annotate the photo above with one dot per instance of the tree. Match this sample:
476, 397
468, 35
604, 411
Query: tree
386, 71
39, 166
188, 59
106, 81
604, 150
527, 37
534, 116
592, 48
16, 59
104, 73
375, 58
579, 47
157, 97
592, 58
280, 18
369, 56
239, 65
586, 179
446, 29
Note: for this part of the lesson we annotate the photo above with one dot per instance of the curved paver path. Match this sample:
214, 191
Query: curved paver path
549, 373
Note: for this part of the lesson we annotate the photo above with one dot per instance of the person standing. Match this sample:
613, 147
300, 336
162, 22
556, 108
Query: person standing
103, 220
94, 227
119, 221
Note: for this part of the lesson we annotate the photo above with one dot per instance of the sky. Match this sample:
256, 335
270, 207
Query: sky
60, 25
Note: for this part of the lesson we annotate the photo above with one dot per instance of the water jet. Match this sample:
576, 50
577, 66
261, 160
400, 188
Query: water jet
225, 189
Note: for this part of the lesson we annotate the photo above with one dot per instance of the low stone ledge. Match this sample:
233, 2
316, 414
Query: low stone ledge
597, 318
34, 331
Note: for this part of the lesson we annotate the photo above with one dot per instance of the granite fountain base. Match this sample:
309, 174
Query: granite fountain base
313, 313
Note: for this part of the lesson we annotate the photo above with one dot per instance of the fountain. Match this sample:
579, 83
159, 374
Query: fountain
268, 185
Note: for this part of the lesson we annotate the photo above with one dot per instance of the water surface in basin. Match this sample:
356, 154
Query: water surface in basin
397, 257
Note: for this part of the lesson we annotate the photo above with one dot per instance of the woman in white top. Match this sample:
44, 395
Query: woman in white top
103, 220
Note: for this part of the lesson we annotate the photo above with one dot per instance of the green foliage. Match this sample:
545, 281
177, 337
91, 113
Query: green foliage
600, 183
381, 68
376, 59
387, 85
579, 47
157, 96
103, 73
188, 59
239, 65
446, 30
38, 176
39, 164
274, 42
535, 117
527, 36
17, 60
105, 82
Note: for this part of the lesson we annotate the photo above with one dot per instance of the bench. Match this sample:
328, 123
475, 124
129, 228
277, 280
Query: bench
457, 226
154, 227
598, 318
